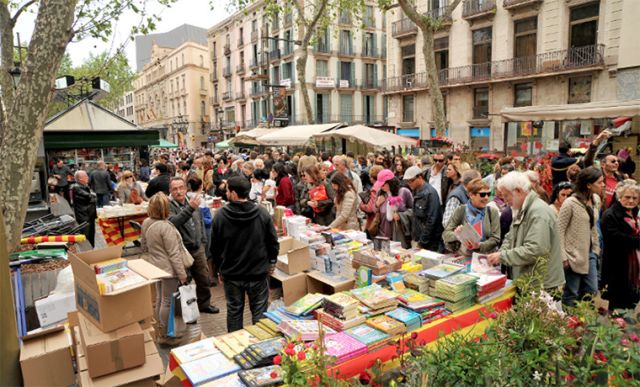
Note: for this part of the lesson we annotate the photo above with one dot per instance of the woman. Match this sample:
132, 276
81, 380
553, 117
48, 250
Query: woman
316, 198
284, 187
453, 174
129, 190
346, 201
401, 166
621, 234
391, 202
145, 170
162, 246
560, 193
578, 234
368, 202
483, 219
257, 184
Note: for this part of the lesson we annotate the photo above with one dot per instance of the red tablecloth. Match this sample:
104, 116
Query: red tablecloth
118, 231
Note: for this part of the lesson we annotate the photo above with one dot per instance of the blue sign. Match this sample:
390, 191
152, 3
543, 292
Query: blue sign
433, 132
413, 132
480, 132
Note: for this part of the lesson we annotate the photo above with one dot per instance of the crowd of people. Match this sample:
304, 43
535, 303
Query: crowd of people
580, 233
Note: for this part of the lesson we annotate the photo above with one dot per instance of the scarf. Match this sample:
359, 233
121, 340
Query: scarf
475, 218
632, 258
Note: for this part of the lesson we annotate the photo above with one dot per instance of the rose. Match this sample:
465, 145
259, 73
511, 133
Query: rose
302, 355
290, 351
414, 335
633, 337
573, 322
624, 342
599, 357
277, 360
620, 322
364, 378
274, 374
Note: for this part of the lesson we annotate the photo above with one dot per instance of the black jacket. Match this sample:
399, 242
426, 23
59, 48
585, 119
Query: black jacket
427, 218
84, 203
100, 181
159, 183
189, 222
444, 184
243, 241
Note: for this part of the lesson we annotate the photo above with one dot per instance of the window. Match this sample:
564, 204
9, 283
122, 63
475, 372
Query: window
183, 83
241, 36
408, 59
369, 18
323, 102
525, 37
201, 61
346, 72
182, 55
176, 63
171, 81
288, 44
202, 86
523, 95
203, 109
580, 89
370, 75
346, 47
369, 44
482, 52
254, 25
346, 108
407, 108
275, 77
441, 50
345, 17
184, 105
481, 102
323, 41
287, 71
322, 68
583, 27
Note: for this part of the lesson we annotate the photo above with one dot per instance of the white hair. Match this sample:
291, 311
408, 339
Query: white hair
626, 185
78, 173
515, 180
533, 176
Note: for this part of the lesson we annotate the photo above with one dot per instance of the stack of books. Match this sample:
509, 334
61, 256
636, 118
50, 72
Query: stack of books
200, 371
118, 279
428, 307
387, 325
343, 347
369, 336
410, 319
307, 304
417, 282
489, 286
281, 314
261, 376
376, 299
110, 265
263, 329
233, 343
260, 354
305, 330
438, 272
341, 305
336, 323
458, 291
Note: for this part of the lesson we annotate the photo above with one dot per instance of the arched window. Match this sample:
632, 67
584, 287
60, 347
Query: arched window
202, 86
203, 108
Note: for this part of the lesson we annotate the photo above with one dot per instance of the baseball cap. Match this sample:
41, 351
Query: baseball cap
382, 178
412, 173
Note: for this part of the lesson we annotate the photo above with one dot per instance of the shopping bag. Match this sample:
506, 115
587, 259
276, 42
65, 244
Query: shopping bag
171, 323
189, 303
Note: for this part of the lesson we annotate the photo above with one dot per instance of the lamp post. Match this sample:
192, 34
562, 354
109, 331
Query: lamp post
15, 74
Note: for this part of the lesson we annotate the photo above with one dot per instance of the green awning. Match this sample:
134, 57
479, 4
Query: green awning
222, 145
99, 139
164, 144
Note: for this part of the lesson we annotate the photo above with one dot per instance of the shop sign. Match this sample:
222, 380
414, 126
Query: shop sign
323, 82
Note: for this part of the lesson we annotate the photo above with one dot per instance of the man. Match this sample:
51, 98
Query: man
61, 172
379, 159
612, 177
341, 165
84, 205
427, 212
532, 245
160, 183
307, 160
100, 183
275, 156
453, 157
459, 196
437, 178
244, 246
561, 163
185, 215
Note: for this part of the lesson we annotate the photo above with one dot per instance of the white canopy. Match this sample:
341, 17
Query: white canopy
250, 136
295, 135
369, 136
578, 111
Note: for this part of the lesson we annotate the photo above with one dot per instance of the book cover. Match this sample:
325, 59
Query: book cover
209, 368
343, 346
386, 324
261, 376
443, 270
306, 304
194, 351
366, 334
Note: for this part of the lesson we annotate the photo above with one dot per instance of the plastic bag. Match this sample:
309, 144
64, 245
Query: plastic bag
189, 303
171, 323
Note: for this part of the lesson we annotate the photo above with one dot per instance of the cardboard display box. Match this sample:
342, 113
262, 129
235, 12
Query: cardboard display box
293, 286
117, 309
321, 283
46, 360
107, 353
298, 257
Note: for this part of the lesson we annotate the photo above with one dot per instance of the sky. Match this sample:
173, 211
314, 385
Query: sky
194, 12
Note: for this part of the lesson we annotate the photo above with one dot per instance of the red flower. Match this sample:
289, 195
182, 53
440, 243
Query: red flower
599, 357
274, 374
290, 351
291, 346
573, 322
492, 315
364, 378
633, 337
620, 322
277, 360
302, 355
626, 375
414, 335
570, 377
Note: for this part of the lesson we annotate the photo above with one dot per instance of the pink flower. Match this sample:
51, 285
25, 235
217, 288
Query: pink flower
633, 337
624, 342
620, 322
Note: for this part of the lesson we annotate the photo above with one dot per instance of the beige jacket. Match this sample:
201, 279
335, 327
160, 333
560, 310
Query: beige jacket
577, 238
346, 212
163, 247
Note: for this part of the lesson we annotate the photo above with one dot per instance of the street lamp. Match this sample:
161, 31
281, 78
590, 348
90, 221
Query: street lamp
15, 74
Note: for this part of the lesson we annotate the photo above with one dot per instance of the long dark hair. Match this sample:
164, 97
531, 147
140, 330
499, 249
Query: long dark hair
344, 185
582, 192
557, 188
394, 186
281, 171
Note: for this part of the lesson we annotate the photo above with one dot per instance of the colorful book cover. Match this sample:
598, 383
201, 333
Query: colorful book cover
343, 346
374, 296
306, 304
117, 280
209, 368
366, 334
443, 270
261, 376
267, 348
194, 351
386, 324
343, 300
405, 316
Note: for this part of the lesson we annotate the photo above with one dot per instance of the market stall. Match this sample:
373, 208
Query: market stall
363, 139
165, 144
298, 135
250, 137
116, 223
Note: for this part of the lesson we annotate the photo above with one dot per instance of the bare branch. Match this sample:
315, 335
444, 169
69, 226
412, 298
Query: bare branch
24, 7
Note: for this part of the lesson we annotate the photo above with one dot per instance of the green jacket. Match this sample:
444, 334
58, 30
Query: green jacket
533, 235
491, 226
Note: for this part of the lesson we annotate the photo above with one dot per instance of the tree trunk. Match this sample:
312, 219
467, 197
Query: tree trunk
26, 116
437, 102
6, 63
301, 69
9, 346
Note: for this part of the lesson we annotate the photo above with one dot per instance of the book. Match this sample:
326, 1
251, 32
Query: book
375, 297
386, 324
208, 368
305, 330
306, 304
336, 323
442, 270
119, 279
194, 351
110, 265
418, 301
410, 319
479, 264
366, 334
343, 347
341, 305
261, 376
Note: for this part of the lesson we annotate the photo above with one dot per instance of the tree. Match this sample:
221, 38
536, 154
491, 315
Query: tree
429, 24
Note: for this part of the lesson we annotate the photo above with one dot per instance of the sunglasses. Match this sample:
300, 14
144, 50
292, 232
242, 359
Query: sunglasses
484, 194
438, 160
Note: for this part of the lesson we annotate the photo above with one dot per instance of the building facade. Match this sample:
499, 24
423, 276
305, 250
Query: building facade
495, 54
125, 107
171, 93
254, 79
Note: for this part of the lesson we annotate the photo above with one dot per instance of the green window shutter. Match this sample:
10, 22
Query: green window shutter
375, 37
353, 74
375, 75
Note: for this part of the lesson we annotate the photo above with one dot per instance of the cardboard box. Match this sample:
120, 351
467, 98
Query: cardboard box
54, 309
293, 286
107, 353
298, 257
118, 309
45, 358
327, 284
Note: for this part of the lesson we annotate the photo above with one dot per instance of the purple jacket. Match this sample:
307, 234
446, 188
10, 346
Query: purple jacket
386, 227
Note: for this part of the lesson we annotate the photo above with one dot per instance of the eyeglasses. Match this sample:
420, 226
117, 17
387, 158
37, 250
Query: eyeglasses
484, 194
438, 160
614, 161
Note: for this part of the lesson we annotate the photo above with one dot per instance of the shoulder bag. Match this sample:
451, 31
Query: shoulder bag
187, 259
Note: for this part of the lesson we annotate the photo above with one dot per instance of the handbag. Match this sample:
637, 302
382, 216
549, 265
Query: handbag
187, 258
318, 194
134, 197
189, 303
374, 226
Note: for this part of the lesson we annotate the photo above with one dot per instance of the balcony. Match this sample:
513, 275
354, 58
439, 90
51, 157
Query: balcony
227, 96
321, 48
240, 96
476, 9
253, 64
275, 26
227, 71
515, 4
403, 28
240, 69
213, 77
288, 20
227, 49
214, 101
287, 50
345, 84
346, 50
274, 55
370, 84
545, 64
369, 22
240, 42
204, 92
439, 13
254, 36
256, 92
369, 52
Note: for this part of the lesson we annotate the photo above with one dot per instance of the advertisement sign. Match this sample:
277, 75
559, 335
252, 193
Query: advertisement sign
324, 82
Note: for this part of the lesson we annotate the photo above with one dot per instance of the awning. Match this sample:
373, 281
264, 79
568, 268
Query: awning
99, 139
165, 144
298, 135
579, 111
369, 136
222, 145
250, 136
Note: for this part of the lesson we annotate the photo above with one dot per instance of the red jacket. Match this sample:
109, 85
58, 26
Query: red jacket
284, 195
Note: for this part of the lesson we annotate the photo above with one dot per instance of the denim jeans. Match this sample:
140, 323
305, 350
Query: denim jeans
234, 291
103, 199
579, 285
202, 277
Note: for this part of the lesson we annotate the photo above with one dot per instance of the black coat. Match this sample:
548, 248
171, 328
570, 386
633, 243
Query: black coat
427, 218
444, 184
159, 183
618, 244
84, 203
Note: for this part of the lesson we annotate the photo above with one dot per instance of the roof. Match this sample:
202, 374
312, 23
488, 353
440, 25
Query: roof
87, 115
169, 39
295, 135
578, 111
377, 138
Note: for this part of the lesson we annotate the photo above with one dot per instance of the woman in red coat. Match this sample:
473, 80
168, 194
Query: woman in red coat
284, 187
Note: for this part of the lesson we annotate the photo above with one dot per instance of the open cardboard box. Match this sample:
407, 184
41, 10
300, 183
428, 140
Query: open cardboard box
298, 256
46, 359
293, 286
117, 309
